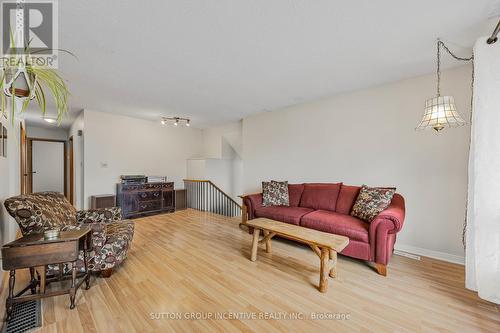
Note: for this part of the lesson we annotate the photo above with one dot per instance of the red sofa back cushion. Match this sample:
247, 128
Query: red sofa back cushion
320, 196
294, 194
347, 197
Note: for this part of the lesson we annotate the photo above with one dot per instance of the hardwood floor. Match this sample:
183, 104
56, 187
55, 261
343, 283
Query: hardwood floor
191, 262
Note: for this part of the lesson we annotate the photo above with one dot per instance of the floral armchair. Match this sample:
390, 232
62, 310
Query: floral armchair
111, 236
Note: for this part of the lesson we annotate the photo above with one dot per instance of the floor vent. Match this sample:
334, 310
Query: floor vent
26, 316
407, 255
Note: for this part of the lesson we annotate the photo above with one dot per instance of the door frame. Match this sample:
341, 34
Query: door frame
30, 163
71, 193
23, 162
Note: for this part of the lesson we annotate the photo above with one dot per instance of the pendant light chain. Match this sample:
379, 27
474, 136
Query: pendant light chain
441, 44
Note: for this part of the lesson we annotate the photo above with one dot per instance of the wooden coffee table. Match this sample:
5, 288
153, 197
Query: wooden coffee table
34, 251
324, 244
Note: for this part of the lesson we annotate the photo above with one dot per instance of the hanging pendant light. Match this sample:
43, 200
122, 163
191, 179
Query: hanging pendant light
440, 111
16, 79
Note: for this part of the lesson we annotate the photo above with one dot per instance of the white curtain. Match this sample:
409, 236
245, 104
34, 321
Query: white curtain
483, 222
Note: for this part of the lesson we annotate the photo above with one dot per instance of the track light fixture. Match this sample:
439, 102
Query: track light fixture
176, 121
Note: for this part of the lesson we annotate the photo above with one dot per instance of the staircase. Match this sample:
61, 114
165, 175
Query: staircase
206, 196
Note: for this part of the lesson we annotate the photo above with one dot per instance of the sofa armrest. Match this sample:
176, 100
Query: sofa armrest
252, 201
395, 213
104, 215
388, 222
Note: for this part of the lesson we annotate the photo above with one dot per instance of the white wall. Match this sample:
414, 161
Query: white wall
222, 141
78, 158
53, 133
368, 137
196, 169
222, 148
115, 145
9, 180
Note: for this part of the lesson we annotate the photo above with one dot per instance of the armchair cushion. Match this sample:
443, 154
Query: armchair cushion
114, 251
105, 215
37, 212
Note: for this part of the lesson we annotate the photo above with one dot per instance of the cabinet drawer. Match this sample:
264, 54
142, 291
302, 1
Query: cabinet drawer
149, 195
149, 205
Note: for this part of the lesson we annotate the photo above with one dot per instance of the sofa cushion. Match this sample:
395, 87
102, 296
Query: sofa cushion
290, 215
295, 193
371, 201
275, 193
336, 223
320, 196
347, 197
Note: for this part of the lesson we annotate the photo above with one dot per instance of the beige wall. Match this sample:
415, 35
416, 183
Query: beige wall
115, 145
368, 137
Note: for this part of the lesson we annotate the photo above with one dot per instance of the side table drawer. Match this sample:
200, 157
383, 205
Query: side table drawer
39, 255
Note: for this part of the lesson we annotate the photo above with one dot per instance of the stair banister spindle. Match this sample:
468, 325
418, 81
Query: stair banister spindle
205, 196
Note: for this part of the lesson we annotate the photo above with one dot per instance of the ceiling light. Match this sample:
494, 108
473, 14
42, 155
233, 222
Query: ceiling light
50, 120
176, 121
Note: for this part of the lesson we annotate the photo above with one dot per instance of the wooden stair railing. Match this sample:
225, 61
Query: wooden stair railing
206, 196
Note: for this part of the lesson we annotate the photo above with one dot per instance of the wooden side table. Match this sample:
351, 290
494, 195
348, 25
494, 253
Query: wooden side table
33, 251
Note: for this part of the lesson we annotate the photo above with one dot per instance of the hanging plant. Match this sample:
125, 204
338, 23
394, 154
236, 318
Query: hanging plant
20, 79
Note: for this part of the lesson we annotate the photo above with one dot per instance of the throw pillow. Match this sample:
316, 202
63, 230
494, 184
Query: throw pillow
371, 201
275, 193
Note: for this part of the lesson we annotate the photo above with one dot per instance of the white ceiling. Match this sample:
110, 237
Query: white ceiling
218, 61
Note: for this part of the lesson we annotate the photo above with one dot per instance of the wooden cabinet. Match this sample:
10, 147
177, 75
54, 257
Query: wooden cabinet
149, 198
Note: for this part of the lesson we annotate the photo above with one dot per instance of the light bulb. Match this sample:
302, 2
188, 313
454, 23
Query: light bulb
187, 123
176, 122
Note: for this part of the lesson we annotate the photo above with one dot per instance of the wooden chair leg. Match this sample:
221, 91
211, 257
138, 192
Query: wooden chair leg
107, 272
381, 269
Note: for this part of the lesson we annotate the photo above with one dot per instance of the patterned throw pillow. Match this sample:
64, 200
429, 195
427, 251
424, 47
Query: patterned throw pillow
275, 194
371, 201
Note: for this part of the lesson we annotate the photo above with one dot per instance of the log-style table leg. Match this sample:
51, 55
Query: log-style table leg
333, 258
268, 241
72, 290
255, 244
8, 303
323, 272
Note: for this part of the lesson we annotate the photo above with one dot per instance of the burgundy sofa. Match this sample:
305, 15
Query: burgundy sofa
326, 207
